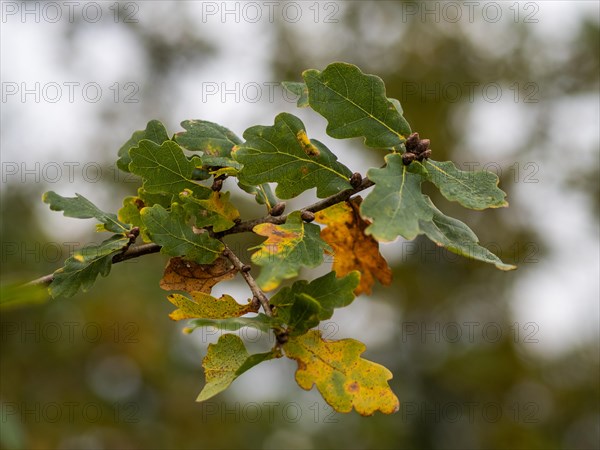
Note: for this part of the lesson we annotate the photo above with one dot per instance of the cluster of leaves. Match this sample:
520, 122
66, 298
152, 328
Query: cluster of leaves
180, 209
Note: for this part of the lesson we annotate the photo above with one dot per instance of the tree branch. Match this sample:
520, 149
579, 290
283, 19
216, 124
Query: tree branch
242, 227
132, 252
248, 225
250, 281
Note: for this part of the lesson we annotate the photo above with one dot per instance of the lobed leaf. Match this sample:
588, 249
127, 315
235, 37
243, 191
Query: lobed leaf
474, 189
83, 267
216, 211
299, 89
263, 194
344, 379
80, 207
155, 131
205, 306
189, 276
396, 205
212, 139
224, 362
352, 248
355, 105
288, 247
165, 169
303, 305
283, 153
458, 238
170, 230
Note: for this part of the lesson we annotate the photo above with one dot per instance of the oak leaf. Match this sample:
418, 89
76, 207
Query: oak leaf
352, 248
344, 379
205, 306
184, 275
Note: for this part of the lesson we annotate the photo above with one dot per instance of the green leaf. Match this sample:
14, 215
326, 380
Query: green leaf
83, 267
298, 89
224, 362
263, 194
473, 189
130, 211
170, 230
397, 105
296, 304
213, 140
458, 238
165, 169
396, 205
283, 153
151, 199
289, 246
155, 131
355, 105
261, 322
16, 295
80, 207
217, 211
301, 314
344, 379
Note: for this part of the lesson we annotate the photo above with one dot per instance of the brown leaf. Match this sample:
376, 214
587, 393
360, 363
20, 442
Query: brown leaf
184, 275
352, 248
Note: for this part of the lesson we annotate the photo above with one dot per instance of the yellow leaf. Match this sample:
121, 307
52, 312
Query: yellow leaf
205, 306
343, 378
184, 275
352, 248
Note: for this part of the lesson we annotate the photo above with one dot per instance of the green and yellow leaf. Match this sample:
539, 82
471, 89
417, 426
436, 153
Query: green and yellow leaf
344, 379
225, 361
205, 306
288, 247
216, 211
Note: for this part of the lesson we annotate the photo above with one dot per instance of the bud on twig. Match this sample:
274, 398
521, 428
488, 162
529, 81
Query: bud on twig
408, 157
411, 142
278, 209
307, 216
355, 179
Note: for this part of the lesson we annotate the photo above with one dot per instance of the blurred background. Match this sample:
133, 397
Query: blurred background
481, 359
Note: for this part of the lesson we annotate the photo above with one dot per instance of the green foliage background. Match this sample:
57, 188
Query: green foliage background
144, 374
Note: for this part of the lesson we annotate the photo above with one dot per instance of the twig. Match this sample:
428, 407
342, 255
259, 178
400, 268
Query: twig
242, 227
132, 252
250, 281
248, 225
